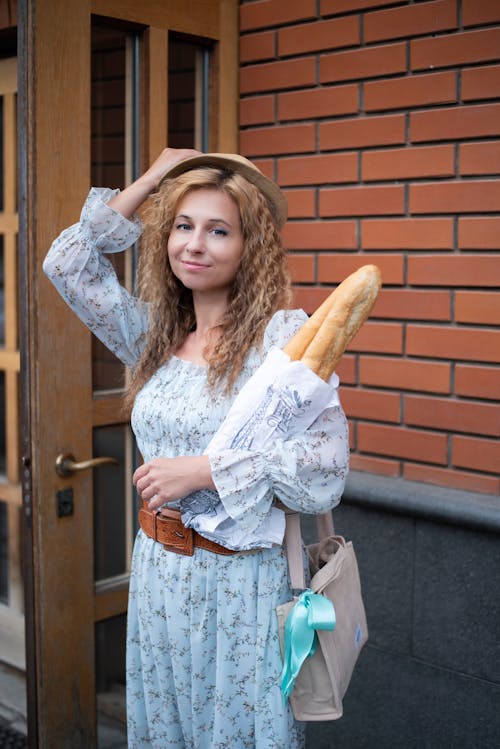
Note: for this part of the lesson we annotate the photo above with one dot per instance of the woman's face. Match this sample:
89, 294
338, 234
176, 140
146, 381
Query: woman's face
206, 242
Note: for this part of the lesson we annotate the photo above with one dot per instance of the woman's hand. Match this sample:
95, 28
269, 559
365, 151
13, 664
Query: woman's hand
129, 200
164, 480
168, 158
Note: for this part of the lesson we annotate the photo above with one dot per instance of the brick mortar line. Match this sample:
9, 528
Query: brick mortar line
383, 41
362, 116
437, 431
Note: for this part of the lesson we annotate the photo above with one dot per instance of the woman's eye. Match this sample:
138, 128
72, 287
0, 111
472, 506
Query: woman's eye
183, 227
220, 232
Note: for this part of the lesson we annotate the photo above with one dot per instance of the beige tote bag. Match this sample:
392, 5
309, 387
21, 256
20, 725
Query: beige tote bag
324, 676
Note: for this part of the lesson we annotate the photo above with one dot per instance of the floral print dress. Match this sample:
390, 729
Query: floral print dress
203, 659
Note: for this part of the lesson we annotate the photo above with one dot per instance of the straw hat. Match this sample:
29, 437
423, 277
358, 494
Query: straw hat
233, 162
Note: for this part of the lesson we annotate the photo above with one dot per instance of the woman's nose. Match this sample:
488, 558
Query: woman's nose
195, 242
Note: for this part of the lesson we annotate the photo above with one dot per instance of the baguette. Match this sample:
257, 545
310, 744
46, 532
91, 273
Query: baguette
345, 311
297, 345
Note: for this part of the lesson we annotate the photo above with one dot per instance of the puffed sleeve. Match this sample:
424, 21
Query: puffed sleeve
307, 472
77, 266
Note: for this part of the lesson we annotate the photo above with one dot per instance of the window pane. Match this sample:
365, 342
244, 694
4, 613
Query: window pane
2, 291
3, 447
187, 93
110, 682
109, 53
1, 154
4, 558
108, 106
110, 506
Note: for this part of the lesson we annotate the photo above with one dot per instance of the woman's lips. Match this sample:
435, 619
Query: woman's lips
193, 266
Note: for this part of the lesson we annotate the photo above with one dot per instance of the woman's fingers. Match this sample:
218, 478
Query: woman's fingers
170, 479
168, 158
149, 492
139, 473
152, 480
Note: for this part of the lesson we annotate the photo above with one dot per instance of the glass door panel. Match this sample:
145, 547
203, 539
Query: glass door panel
110, 639
4, 556
113, 521
188, 92
109, 139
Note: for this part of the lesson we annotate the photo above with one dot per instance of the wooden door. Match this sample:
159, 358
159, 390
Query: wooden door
98, 101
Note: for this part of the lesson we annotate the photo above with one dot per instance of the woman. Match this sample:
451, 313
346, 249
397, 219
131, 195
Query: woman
203, 661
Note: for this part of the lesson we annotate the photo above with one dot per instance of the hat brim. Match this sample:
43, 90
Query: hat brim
240, 165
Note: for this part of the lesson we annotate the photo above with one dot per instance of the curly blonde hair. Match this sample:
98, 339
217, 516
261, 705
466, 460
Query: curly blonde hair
260, 288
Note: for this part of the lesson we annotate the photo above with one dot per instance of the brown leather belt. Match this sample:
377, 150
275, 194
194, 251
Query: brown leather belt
165, 526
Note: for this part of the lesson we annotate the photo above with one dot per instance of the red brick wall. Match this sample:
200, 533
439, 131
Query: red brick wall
381, 120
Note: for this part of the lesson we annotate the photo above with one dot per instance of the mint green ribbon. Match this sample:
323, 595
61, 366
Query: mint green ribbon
311, 612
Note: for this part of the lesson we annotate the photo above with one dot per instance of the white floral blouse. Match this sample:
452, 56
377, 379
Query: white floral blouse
174, 414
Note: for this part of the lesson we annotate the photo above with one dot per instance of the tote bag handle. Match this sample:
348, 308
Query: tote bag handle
293, 542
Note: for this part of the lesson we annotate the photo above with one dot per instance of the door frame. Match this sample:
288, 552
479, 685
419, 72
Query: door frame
54, 177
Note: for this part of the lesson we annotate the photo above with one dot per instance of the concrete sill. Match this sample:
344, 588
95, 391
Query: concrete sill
425, 501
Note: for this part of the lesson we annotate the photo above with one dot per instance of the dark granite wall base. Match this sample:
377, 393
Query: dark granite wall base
429, 677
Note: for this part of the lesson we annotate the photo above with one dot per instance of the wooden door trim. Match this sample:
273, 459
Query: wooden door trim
55, 64
187, 16
154, 79
226, 131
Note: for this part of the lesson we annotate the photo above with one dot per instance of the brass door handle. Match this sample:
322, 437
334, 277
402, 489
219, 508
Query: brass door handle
66, 464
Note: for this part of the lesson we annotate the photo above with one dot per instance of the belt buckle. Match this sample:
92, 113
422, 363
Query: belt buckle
174, 536
185, 543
